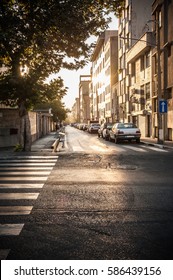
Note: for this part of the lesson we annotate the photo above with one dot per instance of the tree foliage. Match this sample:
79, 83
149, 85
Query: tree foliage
59, 111
37, 37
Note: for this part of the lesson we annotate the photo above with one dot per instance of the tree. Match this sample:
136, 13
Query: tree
37, 37
58, 109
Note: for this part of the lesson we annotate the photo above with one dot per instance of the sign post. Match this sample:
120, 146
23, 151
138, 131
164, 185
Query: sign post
163, 108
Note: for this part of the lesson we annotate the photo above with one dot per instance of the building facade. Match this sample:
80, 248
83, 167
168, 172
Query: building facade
129, 81
145, 66
104, 74
162, 68
135, 65
84, 100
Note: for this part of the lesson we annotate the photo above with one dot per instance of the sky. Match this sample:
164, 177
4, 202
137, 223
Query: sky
71, 77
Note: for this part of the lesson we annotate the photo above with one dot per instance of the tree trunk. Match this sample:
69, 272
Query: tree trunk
25, 128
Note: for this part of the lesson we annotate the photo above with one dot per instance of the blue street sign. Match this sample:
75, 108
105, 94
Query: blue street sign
163, 106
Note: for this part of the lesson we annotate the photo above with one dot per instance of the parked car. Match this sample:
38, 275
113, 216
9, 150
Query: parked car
93, 127
125, 131
103, 129
100, 130
106, 131
85, 127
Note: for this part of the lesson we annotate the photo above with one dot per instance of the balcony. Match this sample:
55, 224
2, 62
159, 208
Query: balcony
140, 47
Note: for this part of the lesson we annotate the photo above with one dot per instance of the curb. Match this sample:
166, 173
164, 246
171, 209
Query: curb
156, 145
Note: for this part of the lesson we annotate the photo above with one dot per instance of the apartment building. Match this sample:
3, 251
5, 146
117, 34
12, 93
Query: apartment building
146, 66
84, 100
75, 111
162, 57
104, 75
135, 45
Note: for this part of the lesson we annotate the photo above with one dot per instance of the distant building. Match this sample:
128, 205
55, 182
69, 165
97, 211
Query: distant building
104, 75
84, 100
75, 111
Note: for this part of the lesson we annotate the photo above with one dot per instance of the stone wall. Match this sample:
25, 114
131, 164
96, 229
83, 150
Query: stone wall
10, 126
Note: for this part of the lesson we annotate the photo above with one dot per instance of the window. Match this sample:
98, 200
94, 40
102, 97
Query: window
128, 40
122, 62
155, 104
133, 69
155, 64
147, 89
147, 59
142, 63
160, 19
142, 99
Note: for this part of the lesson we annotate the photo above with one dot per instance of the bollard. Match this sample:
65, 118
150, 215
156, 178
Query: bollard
55, 145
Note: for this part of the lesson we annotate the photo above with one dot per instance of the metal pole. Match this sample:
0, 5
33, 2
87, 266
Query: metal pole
159, 96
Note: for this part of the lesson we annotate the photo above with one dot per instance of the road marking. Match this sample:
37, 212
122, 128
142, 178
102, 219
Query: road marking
28, 160
10, 229
155, 149
23, 178
118, 148
29, 157
24, 173
5, 196
11, 168
98, 148
77, 148
137, 149
21, 186
21, 173
15, 210
27, 164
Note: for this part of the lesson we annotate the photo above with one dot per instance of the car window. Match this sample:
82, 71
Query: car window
120, 125
110, 125
129, 125
126, 125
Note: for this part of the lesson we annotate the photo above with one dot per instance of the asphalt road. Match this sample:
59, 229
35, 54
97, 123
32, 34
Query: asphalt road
100, 201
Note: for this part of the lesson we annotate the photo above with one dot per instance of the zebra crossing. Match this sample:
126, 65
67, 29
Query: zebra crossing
130, 148
21, 179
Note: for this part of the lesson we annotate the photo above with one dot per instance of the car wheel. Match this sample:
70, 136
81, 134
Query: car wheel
138, 140
116, 140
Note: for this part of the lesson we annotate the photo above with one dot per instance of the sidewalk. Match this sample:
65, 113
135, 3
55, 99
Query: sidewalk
43, 144
153, 142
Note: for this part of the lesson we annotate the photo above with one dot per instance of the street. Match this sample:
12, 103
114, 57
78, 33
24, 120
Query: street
93, 200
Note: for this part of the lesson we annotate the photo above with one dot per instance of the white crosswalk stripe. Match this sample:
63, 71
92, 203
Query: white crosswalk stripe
10, 229
18, 175
137, 149
97, 148
156, 149
77, 149
119, 148
21, 186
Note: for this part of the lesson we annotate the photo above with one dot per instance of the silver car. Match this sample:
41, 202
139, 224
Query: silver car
93, 127
125, 131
